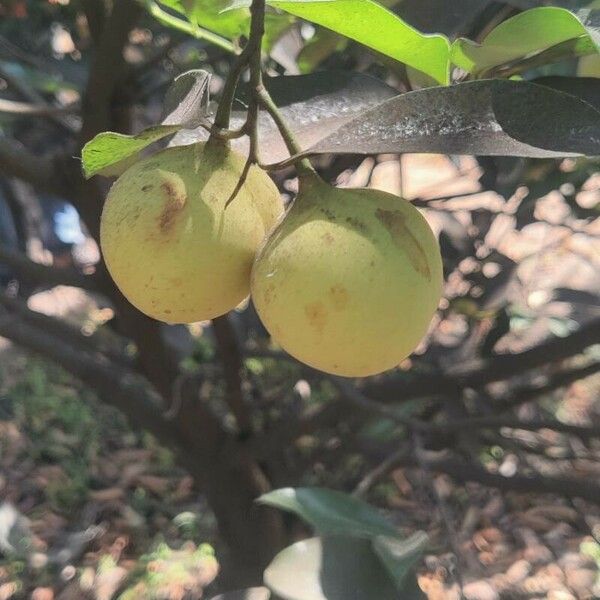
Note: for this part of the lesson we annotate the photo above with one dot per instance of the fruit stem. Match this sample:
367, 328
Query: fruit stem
303, 165
251, 49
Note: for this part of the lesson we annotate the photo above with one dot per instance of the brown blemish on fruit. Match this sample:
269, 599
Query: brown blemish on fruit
176, 281
147, 188
328, 238
395, 222
339, 296
176, 199
316, 314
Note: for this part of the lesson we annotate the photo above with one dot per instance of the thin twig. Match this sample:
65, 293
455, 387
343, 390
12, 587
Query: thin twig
380, 471
257, 11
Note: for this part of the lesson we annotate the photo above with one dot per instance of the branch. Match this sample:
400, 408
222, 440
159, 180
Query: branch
44, 274
63, 331
525, 394
478, 373
95, 14
231, 360
350, 394
468, 471
564, 486
16, 161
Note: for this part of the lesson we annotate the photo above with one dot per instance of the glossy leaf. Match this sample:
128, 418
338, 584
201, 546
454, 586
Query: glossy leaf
329, 568
376, 27
526, 33
331, 512
488, 117
109, 153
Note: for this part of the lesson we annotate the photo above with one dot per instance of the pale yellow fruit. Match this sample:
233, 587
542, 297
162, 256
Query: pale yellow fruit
349, 280
172, 246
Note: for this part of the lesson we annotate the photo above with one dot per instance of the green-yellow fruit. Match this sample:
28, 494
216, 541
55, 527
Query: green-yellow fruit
170, 243
349, 280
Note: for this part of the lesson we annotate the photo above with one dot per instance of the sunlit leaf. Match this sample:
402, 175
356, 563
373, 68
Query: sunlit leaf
374, 26
526, 33
207, 13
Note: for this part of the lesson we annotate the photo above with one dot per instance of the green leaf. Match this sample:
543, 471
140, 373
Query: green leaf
205, 19
400, 557
529, 32
331, 512
376, 27
329, 568
108, 148
111, 153
207, 13
188, 27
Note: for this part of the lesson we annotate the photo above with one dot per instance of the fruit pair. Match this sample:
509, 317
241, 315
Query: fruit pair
347, 281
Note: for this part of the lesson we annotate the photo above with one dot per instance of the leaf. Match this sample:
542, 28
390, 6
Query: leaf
109, 153
207, 13
331, 512
168, 19
585, 88
376, 27
184, 101
488, 117
400, 557
312, 105
329, 568
108, 149
526, 33
255, 593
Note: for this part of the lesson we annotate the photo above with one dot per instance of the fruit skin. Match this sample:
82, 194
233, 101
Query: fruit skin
169, 243
349, 280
